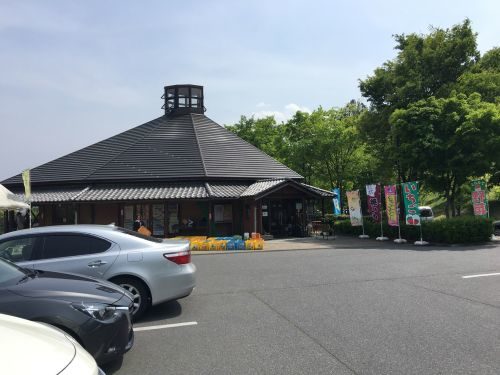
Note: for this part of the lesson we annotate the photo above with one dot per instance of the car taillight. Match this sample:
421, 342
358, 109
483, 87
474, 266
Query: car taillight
182, 257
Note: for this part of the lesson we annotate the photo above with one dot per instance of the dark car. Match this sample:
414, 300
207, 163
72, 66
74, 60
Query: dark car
96, 313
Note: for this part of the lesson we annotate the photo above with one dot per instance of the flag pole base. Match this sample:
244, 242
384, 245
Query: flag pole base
364, 236
399, 240
421, 243
382, 238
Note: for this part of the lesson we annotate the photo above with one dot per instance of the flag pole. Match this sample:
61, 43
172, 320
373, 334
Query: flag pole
399, 239
382, 237
364, 236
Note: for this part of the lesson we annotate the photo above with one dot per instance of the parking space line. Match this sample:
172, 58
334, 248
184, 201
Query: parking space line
164, 326
481, 275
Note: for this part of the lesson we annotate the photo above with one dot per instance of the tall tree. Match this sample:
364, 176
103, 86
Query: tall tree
425, 66
446, 140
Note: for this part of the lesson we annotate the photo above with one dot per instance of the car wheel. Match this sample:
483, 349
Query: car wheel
139, 292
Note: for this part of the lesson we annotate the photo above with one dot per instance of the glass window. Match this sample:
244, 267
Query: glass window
138, 235
18, 249
64, 245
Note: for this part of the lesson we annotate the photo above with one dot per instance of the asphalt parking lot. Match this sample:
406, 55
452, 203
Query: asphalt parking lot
354, 308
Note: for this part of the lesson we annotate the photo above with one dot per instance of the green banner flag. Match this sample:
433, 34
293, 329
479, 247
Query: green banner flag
480, 198
410, 195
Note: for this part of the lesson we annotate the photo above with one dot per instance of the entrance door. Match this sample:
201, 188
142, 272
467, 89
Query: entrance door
284, 217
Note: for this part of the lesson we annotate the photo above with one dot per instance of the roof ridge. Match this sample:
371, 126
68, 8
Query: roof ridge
199, 147
127, 148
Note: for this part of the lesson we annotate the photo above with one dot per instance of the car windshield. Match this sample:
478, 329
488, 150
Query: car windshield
425, 212
138, 235
10, 274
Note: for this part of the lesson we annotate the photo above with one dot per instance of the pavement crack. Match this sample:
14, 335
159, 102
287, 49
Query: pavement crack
313, 339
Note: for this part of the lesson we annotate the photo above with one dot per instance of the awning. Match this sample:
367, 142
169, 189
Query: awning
9, 201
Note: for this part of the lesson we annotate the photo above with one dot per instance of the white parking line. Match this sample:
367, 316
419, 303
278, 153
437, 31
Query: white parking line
481, 275
151, 328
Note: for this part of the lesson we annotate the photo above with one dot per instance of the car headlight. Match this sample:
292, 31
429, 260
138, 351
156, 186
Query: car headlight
98, 311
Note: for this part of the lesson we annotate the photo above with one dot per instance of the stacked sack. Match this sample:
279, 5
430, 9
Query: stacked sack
202, 243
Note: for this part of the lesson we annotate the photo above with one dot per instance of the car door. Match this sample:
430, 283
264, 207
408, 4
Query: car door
76, 253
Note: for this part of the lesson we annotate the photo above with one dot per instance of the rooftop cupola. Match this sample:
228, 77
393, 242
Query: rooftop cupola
183, 99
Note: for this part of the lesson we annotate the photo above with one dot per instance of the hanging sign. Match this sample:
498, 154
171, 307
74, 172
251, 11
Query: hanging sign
479, 198
354, 208
336, 201
410, 195
373, 196
391, 207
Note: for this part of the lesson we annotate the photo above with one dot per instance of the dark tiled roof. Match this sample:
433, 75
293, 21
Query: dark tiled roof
163, 191
177, 148
226, 189
261, 186
166, 191
322, 192
55, 195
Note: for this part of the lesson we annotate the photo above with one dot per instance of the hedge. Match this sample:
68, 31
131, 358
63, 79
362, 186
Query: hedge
461, 229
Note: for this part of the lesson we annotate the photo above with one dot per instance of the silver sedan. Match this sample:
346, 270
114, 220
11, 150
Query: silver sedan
153, 270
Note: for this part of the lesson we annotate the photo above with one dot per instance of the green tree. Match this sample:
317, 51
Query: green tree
443, 141
425, 66
263, 133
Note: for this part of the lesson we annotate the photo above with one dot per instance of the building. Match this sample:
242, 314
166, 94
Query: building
182, 173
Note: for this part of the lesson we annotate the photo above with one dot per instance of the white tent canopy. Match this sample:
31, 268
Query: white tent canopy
8, 201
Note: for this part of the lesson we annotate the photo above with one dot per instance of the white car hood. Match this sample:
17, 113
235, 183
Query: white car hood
32, 348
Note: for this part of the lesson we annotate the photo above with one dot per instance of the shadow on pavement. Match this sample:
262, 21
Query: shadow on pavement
113, 366
162, 311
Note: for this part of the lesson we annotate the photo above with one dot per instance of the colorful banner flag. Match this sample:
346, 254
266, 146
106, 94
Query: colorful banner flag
374, 196
410, 195
354, 208
27, 184
479, 198
336, 201
391, 206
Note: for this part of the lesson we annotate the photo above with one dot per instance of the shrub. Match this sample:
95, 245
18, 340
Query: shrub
462, 229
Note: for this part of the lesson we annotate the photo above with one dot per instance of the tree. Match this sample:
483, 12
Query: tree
425, 66
484, 78
446, 140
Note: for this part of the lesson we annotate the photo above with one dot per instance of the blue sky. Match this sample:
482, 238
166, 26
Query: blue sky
73, 73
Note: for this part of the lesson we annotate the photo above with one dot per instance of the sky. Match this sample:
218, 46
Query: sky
73, 73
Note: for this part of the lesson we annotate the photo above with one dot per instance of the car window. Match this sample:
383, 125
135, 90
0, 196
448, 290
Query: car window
18, 249
66, 245
138, 235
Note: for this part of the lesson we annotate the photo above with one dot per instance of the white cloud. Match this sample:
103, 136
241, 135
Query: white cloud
281, 115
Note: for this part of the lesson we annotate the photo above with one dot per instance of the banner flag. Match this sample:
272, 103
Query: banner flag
391, 207
374, 196
480, 198
354, 208
27, 184
336, 201
410, 195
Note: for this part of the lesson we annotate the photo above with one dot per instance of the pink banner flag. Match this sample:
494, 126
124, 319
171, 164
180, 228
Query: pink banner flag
374, 196
391, 206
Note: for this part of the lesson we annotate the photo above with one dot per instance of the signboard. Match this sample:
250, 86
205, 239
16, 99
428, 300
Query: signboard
479, 198
354, 208
391, 207
410, 195
374, 196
